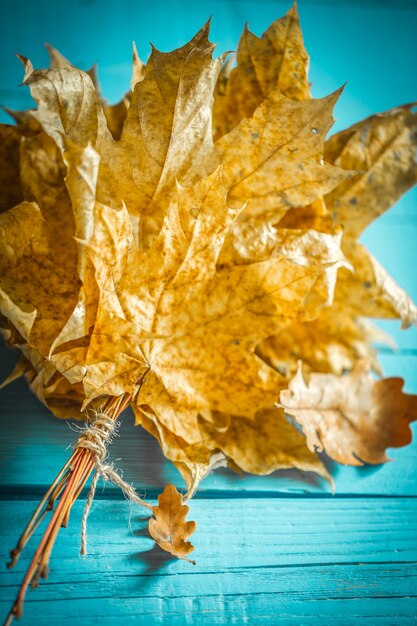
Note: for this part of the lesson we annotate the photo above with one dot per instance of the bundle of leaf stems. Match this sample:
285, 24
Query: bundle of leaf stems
64, 491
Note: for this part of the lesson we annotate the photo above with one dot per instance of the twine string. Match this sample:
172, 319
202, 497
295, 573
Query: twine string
96, 438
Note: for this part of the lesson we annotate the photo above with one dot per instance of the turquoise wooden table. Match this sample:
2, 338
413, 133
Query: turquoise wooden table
274, 550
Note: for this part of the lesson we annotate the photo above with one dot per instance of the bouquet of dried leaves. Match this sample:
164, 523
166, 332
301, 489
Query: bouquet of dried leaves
193, 252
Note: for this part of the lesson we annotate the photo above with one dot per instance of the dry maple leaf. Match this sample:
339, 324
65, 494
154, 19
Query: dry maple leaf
116, 113
382, 148
354, 418
273, 161
332, 343
168, 527
262, 445
166, 134
10, 188
165, 301
277, 59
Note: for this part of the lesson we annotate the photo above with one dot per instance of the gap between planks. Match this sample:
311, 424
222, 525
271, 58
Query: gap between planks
32, 493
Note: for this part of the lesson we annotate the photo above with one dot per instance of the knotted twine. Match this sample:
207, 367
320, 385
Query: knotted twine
96, 438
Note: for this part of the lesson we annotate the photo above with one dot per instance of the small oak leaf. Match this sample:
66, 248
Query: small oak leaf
168, 527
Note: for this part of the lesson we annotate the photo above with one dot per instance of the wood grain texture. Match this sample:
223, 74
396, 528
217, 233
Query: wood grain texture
291, 561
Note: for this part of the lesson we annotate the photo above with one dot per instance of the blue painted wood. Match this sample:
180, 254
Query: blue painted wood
285, 561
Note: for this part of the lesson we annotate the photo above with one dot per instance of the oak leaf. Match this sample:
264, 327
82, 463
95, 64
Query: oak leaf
168, 526
353, 418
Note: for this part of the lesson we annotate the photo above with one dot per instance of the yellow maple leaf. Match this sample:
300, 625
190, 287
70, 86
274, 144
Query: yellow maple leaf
10, 187
277, 59
159, 305
179, 258
262, 445
273, 161
166, 134
382, 148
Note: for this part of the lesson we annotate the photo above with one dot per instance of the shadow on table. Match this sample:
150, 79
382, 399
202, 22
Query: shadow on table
155, 559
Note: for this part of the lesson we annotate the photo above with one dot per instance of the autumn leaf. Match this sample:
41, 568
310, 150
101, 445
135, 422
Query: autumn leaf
68, 104
382, 149
168, 526
262, 445
166, 134
10, 187
353, 418
26, 253
51, 388
274, 160
370, 291
277, 59
159, 359
332, 344
139, 257
115, 113
58, 61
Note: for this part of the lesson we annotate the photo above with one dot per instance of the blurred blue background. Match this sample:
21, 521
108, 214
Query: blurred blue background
370, 44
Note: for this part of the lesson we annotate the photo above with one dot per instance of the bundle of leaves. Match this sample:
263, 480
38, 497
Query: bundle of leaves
195, 249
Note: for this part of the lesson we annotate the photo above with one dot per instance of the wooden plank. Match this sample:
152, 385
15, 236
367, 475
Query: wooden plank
289, 561
34, 445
